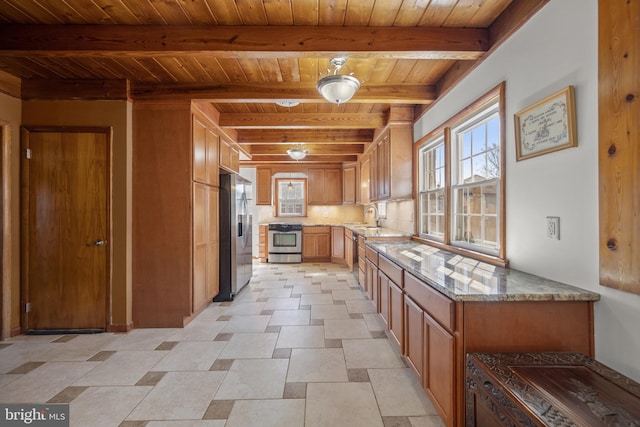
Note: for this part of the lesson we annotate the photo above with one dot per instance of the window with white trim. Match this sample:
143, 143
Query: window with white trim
432, 189
461, 177
291, 197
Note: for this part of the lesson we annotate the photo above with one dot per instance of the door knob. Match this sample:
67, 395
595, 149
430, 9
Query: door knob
99, 243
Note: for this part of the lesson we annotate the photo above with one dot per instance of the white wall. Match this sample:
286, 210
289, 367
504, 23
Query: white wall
556, 48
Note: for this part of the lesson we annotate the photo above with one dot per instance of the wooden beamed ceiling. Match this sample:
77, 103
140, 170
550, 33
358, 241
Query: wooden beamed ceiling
242, 57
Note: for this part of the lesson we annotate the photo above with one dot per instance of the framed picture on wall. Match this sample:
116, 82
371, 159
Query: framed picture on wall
546, 126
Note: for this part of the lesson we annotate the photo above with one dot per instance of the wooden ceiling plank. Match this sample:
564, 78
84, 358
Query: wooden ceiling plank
437, 13
11, 14
231, 41
486, 15
324, 149
328, 136
279, 12
138, 71
34, 10
313, 158
358, 13
270, 69
332, 12
25, 69
199, 12
156, 68
118, 15
232, 69
144, 12
463, 12
176, 68
225, 11
305, 12
302, 121
270, 92
87, 12
10, 84
289, 69
172, 12
385, 13
252, 13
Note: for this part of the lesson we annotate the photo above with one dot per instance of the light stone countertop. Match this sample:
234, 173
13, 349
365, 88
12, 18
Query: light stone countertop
466, 279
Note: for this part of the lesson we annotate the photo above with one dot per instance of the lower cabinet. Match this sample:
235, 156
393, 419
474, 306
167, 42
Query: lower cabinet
263, 243
414, 336
337, 245
383, 296
371, 281
396, 315
205, 245
316, 243
439, 359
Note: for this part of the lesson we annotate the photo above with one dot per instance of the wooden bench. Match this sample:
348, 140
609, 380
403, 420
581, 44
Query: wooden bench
547, 389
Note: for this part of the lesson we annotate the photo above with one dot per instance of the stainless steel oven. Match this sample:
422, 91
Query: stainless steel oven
285, 243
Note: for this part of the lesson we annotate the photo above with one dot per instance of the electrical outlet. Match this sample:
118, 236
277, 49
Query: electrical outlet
553, 227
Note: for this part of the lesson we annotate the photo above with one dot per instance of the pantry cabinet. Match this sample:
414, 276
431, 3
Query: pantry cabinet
175, 239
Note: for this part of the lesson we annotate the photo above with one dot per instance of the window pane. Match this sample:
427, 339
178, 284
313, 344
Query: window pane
489, 193
465, 172
466, 145
479, 168
479, 139
474, 200
491, 232
493, 132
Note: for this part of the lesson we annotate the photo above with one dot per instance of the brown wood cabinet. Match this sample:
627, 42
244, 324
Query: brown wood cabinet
350, 184
337, 245
229, 156
175, 238
316, 243
391, 164
263, 186
435, 332
324, 187
206, 245
263, 236
365, 180
348, 248
206, 143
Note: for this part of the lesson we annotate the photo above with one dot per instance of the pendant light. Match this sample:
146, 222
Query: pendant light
335, 87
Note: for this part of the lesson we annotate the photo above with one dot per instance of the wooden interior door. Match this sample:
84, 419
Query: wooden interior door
65, 228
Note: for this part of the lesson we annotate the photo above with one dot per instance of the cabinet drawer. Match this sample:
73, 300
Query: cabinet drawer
316, 230
392, 271
371, 255
361, 252
360, 242
438, 306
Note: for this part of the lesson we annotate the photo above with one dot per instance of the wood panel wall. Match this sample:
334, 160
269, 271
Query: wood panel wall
619, 143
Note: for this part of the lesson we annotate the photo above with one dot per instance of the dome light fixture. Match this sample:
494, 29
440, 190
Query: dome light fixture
335, 87
298, 153
288, 102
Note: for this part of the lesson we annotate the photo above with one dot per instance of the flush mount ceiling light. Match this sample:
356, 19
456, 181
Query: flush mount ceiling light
287, 102
297, 153
335, 87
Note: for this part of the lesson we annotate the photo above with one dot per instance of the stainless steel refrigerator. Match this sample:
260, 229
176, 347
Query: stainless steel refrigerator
235, 235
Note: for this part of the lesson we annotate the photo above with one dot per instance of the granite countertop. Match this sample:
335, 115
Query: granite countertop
465, 279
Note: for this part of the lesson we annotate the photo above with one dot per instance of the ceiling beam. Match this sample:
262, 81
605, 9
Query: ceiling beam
269, 92
243, 41
326, 136
325, 149
313, 158
303, 120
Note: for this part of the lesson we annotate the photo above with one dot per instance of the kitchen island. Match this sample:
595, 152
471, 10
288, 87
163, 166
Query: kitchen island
439, 306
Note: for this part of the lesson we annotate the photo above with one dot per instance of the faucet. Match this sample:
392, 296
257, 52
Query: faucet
376, 215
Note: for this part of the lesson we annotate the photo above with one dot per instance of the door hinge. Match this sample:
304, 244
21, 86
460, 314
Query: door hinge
28, 307
28, 153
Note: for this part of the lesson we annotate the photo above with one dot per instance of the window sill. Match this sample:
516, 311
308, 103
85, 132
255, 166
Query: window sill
489, 259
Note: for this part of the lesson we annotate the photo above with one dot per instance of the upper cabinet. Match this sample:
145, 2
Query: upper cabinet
350, 184
263, 186
390, 164
229, 157
205, 151
365, 180
325, 186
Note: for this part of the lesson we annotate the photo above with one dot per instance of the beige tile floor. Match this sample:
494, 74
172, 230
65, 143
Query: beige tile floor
300, 346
